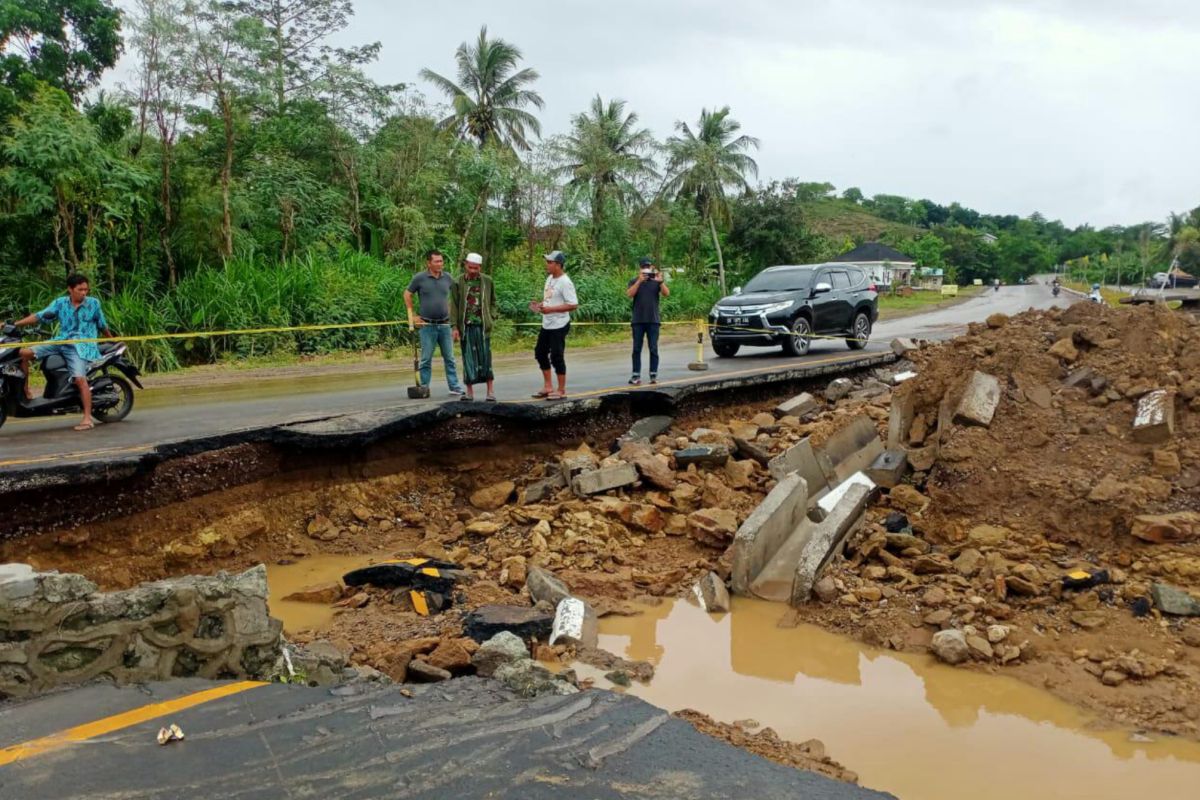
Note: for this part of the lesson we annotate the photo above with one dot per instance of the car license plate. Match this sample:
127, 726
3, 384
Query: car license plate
736, 320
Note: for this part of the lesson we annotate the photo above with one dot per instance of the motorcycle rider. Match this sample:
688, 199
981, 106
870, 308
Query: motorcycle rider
79, 317
1095, 296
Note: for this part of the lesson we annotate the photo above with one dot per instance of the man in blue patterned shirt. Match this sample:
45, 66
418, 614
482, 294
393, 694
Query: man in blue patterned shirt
78, 317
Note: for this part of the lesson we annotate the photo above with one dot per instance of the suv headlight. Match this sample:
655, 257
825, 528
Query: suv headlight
775, 307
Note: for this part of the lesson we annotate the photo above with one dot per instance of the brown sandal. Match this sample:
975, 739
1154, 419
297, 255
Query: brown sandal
541, 395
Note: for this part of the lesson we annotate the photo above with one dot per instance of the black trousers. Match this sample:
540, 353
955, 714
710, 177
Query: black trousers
550, 349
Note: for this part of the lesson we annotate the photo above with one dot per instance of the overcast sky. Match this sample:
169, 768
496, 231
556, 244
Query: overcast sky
1084, 110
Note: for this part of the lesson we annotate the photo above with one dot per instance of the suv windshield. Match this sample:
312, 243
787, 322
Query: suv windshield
785, 280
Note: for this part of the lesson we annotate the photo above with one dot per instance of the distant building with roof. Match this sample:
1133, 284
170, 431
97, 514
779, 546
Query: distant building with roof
988, 238
886, 266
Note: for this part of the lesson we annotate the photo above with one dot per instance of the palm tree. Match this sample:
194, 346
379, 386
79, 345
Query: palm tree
491, 95
606, 154
702, 165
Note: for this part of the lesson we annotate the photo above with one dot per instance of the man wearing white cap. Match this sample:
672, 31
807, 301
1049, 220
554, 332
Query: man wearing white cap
473, 305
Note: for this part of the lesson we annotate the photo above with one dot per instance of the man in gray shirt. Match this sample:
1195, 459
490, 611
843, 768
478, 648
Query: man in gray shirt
432, 288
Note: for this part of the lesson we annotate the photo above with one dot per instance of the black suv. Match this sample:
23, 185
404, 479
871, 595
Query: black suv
786, 305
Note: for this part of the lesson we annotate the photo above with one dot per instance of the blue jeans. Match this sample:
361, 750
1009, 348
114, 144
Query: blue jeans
439, 336
645, 330
76, 364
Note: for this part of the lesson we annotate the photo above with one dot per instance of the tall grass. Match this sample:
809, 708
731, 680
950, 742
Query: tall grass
325, 289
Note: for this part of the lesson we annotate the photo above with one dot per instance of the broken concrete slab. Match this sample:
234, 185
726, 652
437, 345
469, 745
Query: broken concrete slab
1154, 421
979, 401
827, 504
838, 388
644, 430
766, 529
900, 420
901, 377
903, 347
575, 622
711, 594
826, 539
850, 450
709, 454
422, 672
888, 468
604, 479
528, 623
801, 459
575, 463
797, 406
1080, 378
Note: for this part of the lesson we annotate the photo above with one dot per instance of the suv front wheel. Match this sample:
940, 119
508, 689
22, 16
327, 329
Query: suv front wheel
798, 343
725, 349
861, 331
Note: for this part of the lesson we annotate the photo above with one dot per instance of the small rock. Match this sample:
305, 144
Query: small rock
422, 672
1089, 620
895, 522
997, 321
969, 562
620, 678
950, 646
937, 618
711, 593
988, 535
324, 593
1170, 600
713, 526
980, 648
1112, 677
826, 589
493, 497
1166, 463
1064, 349
838, 389
451, 656
997, 633
483, 527
544, 586
503, 648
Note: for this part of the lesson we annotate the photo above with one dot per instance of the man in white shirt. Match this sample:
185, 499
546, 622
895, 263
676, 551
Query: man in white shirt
558, 301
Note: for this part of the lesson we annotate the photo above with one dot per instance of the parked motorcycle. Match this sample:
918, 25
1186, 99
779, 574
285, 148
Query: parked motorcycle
112, 394
1054, 290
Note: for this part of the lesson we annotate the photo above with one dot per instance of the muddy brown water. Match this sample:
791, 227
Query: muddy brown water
905, 723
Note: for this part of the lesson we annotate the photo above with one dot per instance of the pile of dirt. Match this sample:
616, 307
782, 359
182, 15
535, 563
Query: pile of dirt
1051, 542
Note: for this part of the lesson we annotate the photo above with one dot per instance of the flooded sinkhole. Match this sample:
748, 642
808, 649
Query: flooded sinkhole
905, 723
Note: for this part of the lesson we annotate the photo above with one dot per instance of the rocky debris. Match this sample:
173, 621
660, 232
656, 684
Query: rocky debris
602, 659
797, 406
654, 469
528, 678
753, 452
950, 646
575, 623
619, 677
482, 527
502, 649
1182, 526
453, 655
1065, 350
988, 535
996, 321
322, 593
712, 526
1154, 421
711, 594
528, 623
490, 498
1174, 601
604, 479
809, 755
902, 347
544, 489
322, 529
838, 389
702, 455
545, 587
979, 401
1166, 463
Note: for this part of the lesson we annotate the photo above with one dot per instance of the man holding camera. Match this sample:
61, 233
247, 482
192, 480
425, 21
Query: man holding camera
645, 290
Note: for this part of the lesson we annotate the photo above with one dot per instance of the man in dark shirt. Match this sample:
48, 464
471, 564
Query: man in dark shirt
646, 289
432, 287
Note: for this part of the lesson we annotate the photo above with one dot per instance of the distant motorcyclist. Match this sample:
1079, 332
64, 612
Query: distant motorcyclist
1055, 287
1095, 296
79, 317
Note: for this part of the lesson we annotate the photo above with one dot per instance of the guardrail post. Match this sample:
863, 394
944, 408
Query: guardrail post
699, 365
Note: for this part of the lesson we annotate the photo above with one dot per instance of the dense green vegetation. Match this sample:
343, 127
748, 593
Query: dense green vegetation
251, 174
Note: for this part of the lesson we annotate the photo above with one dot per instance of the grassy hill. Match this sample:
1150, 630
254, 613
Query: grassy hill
838, 219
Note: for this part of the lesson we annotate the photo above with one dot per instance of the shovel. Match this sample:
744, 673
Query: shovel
417, 391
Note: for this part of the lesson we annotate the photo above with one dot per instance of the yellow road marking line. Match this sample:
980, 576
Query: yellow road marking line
101, 727
16, 462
